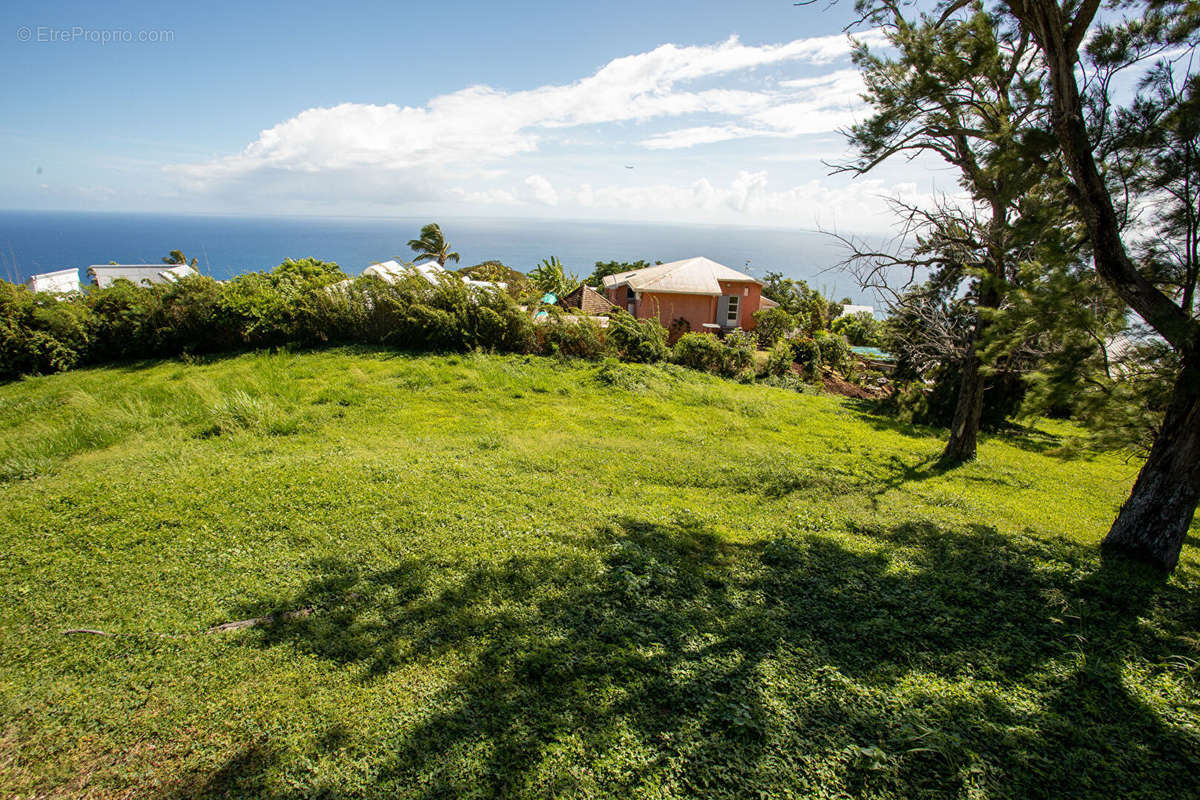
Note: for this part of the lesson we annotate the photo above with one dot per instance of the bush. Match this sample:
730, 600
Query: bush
40, 333
861, 329
807, 353
642, 340
780, 359
570, 336
739, 346
835, 352
701, 351
772, 325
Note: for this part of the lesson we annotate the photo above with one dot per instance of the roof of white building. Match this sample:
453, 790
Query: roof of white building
392, 271
105, 274
690, 276
60, 281
849, 310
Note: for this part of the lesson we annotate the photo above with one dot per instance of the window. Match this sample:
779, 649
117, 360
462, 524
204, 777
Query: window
731, 317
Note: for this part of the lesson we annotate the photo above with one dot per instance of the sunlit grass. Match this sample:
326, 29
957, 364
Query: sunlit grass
538, 578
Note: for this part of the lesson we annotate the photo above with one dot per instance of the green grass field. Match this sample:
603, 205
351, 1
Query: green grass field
538, 579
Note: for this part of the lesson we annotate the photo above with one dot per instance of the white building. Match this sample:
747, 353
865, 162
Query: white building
392, 271
849, 311
63, 281
103, 275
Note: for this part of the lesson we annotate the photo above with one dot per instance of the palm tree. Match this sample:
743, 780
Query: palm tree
177, 258
432, 246
551, 276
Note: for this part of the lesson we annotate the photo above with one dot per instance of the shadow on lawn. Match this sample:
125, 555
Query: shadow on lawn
682, 664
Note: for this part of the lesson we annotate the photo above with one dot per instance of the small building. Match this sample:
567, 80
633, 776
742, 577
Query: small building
587, 300
393, 271
103, 275
63, 281
698, 291
849, 310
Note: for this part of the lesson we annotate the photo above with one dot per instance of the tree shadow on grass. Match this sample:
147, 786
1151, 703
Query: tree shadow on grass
908, 661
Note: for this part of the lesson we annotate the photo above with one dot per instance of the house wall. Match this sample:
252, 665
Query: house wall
697, 309
751, 297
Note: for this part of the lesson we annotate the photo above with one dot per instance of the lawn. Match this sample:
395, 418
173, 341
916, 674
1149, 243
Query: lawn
519, 577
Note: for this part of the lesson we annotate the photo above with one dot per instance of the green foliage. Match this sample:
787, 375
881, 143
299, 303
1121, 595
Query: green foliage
551, 276
571, 336
780, 358
523, 580
516, 283
811, 309
701, 351
835, 353
807, 353
772, 325
643, 340
739, 347
177, 258
731, 356
431, 245
40, 333
861, 329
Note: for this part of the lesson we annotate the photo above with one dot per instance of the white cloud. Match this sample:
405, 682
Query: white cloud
543, 191
480, 124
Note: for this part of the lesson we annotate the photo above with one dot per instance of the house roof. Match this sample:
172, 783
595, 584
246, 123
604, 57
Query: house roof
105, 274
392, 271
586, 299
62, 281
766, 302
690, 276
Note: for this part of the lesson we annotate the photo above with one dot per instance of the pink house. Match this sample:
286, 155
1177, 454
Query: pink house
707, 295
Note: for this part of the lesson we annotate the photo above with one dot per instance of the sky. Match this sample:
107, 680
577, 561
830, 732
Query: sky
696, 112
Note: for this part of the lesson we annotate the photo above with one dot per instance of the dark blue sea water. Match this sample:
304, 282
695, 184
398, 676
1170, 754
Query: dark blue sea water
35, 241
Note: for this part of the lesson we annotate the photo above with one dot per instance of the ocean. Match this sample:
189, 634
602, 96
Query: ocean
38, 241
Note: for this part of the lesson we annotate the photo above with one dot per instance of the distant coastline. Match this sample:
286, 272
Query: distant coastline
225, 245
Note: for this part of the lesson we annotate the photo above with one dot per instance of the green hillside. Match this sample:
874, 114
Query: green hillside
512, 576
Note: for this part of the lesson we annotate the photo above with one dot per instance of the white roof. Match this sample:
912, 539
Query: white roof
690, 276
60, 281
849, 310
105, 274
392, 271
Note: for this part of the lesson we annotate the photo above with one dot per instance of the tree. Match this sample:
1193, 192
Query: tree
1154, 520
432, 246
177, 258
962, 89
550, 276
810, 308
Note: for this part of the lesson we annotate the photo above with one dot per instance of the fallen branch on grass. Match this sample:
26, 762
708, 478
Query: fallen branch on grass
240, 624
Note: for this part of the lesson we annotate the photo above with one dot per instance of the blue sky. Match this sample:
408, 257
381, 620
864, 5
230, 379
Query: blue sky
724, 110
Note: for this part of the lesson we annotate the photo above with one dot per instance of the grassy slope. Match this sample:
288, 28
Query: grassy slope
539, 579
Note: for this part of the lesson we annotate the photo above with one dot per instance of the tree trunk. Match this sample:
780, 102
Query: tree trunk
964, 429
1155, 519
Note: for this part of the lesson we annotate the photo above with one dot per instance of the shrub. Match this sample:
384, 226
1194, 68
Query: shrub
835, 352
190, 316
678, 327
701, 351
41, 333
122, 313
739, 346
861, 329
780, 359
570, 336
772, 325
807, 353
642, 340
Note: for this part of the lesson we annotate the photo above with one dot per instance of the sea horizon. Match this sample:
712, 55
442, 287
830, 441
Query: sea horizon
225, 245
